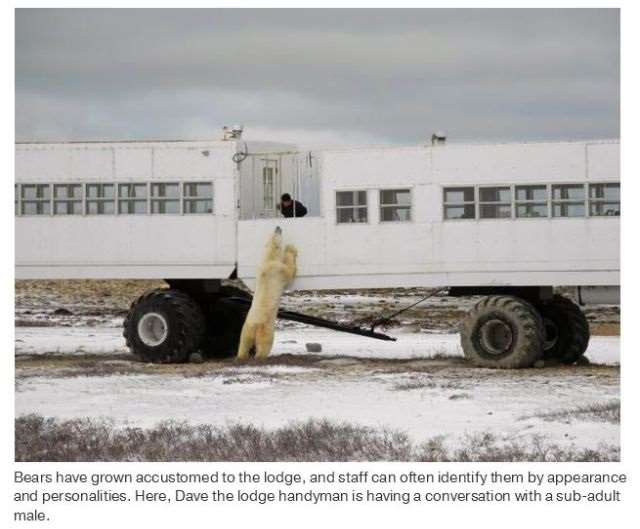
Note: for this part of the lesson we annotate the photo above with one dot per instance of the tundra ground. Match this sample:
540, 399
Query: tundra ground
74, 377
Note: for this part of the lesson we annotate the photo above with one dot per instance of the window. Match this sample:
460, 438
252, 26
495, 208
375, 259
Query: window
351, 206
16, 198
268, 188
165, 198
67, 199
568, 200
132, 199
100, 199
495, 202
36, 199
604, 200
198, 198
531, 201
459, 203
395, 205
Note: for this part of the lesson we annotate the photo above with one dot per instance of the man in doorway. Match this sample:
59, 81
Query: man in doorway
291, 208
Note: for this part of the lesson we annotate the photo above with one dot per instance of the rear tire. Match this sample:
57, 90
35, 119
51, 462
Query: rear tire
566, 329
503, 332
164, 326
224, 325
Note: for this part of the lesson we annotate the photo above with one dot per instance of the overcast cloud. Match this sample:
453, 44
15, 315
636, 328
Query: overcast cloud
317, 76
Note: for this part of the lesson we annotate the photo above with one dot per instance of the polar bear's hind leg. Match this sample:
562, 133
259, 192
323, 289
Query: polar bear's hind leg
247, 341
264, 339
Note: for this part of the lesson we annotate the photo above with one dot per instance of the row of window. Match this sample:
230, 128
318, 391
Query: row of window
532, 201
468, 202
112, 199
491, 202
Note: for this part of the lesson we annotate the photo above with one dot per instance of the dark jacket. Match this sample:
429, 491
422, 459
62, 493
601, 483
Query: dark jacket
287, 211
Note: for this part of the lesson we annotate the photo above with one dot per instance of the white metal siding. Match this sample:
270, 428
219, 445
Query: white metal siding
425, 251
429, 251
129, 246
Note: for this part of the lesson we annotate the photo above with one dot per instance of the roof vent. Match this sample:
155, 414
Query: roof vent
233, 133
438, 138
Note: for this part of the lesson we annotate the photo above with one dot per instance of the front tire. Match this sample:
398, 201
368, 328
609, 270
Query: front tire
503, 332
164, 326
566, 328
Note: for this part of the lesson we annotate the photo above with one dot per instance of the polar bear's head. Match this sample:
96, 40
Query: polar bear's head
274, 249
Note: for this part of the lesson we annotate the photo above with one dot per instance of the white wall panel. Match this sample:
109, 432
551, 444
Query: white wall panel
155, 246
429, 251
425, 251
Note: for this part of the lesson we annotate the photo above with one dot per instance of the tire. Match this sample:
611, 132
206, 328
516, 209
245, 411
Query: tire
224, 325
164, 326
503, 332
566, 330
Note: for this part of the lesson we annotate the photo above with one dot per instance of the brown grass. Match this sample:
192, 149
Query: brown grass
599, 412
46, 439
605, 329
453, 372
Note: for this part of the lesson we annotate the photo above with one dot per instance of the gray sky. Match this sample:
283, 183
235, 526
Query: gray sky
317, 76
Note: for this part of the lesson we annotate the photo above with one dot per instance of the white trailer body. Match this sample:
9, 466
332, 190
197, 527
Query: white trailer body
115, 245
510, 221
429, 250
425, 250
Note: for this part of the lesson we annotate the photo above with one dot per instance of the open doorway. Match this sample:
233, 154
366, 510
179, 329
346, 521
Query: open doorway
265, 177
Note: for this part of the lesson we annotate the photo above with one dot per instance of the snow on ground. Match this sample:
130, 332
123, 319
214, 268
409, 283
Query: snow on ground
397, 385
71, 362
99, 340
432, 408
69, 340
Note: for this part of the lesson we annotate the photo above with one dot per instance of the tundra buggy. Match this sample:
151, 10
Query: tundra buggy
510, 222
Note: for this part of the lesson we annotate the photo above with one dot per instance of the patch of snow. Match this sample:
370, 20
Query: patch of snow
96, 340
68, 340
493, 404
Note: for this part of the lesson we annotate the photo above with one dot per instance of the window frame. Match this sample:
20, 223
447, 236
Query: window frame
269, 174
165, 199
353, 191
100, 200
480, 202
128, 199
49, 200
533, 202
195, 199
592, 201
55, 200
382, 206
569, 201
463, 203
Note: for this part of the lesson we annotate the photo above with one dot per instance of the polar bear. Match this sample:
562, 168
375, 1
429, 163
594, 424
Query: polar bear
277, 270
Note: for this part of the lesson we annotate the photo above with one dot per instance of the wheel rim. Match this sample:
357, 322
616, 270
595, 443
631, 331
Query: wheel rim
153, 329
551, 334
496, 337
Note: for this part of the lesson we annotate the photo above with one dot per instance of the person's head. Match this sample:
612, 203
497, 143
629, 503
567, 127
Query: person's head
285, 199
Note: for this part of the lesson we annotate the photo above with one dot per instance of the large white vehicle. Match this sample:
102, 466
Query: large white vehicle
507, 221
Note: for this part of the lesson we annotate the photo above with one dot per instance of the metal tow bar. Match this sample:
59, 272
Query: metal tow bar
317, 322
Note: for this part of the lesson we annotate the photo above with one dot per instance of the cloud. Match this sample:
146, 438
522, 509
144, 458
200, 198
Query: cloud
379, 75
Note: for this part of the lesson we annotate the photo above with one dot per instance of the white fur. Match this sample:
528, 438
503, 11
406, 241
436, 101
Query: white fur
278, 269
